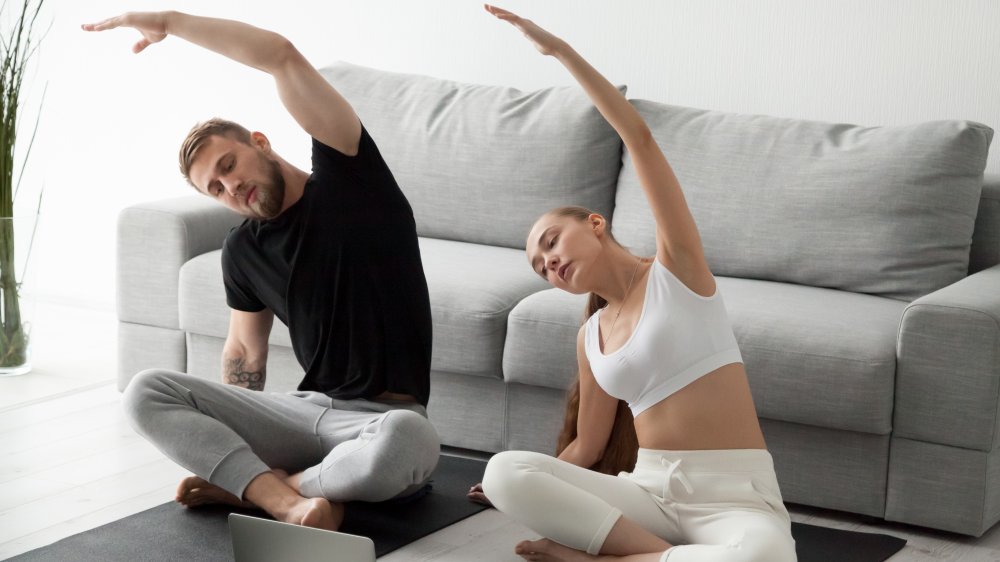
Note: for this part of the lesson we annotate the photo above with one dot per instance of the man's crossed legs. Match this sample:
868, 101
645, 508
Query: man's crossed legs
299, 455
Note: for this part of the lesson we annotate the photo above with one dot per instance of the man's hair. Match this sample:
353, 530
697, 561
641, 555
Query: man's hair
201, 133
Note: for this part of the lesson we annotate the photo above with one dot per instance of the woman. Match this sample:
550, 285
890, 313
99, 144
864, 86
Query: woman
703, 478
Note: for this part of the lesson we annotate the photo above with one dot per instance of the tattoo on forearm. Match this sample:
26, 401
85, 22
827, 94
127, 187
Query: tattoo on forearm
237, 374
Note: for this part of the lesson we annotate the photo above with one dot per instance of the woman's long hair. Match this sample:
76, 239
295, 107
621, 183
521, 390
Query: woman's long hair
623, 445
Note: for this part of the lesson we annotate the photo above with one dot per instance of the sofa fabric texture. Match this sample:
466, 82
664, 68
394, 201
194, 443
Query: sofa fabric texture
986, 238
880, 210
480, 163
860, 268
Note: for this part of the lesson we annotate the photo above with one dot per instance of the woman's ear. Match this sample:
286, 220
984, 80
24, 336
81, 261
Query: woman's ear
596, 222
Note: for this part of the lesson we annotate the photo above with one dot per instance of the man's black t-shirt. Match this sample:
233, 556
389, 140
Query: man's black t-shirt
341, 268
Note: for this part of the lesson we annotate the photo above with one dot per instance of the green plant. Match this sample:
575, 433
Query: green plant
17, 45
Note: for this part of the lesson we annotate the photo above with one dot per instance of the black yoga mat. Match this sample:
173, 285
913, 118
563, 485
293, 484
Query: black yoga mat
170, 532
820, 544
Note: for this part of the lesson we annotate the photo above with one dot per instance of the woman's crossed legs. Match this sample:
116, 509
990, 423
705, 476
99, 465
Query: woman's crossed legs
734, 515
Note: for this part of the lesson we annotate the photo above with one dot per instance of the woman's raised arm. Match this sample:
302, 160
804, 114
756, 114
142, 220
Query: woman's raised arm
678, 245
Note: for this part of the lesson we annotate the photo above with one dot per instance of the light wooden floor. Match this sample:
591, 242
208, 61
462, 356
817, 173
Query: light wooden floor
69, 462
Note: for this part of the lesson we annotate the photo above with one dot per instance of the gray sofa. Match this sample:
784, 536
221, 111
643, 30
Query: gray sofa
861, 268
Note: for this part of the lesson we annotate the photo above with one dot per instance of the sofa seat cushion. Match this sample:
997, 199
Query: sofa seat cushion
472, 288
813, 356
817, 356
541, 339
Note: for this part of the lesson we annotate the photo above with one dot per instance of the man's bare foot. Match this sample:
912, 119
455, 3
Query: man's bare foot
315, 512
194, 491
271, 492
545, 549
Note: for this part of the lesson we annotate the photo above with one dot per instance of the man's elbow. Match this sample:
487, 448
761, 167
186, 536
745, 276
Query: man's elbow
284, 52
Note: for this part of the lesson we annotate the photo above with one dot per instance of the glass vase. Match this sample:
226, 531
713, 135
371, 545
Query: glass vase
15, 330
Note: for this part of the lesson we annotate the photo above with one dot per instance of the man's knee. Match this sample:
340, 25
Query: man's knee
144, 389
414, 442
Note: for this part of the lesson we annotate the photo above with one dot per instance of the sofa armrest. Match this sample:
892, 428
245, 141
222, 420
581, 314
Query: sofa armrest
948, 365
985, 250
154, 240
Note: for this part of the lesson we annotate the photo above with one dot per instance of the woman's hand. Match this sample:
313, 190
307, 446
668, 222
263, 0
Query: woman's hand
545, 42
152, 26
476, 494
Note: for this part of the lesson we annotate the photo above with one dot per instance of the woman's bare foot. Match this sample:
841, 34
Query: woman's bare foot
477, 495
545, 549
194, 491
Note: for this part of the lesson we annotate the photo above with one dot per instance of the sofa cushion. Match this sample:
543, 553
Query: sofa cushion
985, 250
541, 339
816, 356
881, 210
202, 298
482, 163
840, 346
472, 289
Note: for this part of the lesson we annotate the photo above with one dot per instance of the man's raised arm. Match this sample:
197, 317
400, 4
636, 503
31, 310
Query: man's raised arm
310, 99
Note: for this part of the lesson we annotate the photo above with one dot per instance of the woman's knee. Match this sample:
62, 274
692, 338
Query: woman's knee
505, 473
764, 545
777, 547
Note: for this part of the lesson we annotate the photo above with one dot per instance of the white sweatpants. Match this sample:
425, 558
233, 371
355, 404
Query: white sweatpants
713, 505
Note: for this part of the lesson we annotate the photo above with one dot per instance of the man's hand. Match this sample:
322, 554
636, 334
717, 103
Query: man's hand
152, 26
545, 42
314, 104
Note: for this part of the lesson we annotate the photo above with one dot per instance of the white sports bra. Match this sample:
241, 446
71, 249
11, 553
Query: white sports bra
680, 337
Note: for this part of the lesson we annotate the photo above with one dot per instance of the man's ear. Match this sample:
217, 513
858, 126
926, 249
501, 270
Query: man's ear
259, 140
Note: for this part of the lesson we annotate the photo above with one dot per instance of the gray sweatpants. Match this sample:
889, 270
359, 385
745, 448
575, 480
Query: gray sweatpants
346, 449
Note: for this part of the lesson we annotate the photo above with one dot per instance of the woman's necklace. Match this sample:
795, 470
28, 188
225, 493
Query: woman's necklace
627, 289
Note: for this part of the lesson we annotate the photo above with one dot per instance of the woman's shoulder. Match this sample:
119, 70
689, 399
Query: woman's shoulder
693, 274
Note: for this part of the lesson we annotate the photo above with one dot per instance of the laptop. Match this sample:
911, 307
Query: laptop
264, 540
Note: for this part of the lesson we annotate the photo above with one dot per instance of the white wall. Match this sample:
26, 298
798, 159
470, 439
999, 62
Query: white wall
112, 121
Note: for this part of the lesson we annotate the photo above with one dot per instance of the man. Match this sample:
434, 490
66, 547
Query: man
334, 255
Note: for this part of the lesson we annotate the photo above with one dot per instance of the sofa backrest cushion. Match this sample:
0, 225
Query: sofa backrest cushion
881, 210
482, 163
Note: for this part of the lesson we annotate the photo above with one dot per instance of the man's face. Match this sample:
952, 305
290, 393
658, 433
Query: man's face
240, 176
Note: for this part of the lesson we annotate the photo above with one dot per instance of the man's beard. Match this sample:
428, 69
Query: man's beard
270, 197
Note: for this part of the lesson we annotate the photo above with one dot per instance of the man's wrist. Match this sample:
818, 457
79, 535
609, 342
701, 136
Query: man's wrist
169, 19
238, 371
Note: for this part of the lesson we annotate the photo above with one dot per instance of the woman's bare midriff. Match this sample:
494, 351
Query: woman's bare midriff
714, 412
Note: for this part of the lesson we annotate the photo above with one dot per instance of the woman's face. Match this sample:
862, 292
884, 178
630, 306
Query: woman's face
563, 250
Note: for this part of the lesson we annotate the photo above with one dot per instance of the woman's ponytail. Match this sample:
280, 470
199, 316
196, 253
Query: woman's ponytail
623, 445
